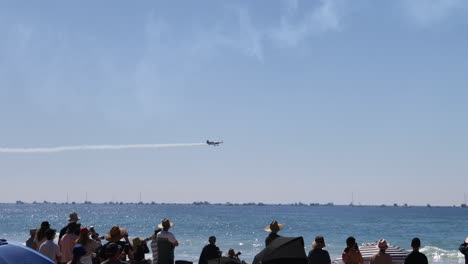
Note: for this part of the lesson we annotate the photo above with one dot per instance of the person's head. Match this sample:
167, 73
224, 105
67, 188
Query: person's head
73, 217
79, 251
351, 242
166, 224
50, 234
83, 238
84, 231
319, 242
40, 233
382, 245
113, 251
274, 227
45, 225
32, 232
416, 244
231, 252
136, 242
466, 240
212, 240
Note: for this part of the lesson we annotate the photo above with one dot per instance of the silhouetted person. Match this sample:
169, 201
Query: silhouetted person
166, 243
381, 257
416, 257
317, 255
351, 254
30, 241
210, 251
273, 228
464, 249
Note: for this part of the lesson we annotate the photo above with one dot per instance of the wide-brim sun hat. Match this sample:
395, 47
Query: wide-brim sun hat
274, 227
165, 223
116, 233
73, 217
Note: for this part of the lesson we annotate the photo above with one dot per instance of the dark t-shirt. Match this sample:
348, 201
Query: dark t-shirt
209, 252
140, 251
319, 256
416, 257
102, 250
270, 238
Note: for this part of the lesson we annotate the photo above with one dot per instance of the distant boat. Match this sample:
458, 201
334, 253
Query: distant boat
19, 202
352, 199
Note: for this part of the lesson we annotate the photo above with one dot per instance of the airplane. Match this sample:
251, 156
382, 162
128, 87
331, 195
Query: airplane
214, 143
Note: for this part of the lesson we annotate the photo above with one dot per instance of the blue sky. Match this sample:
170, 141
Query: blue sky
315, 100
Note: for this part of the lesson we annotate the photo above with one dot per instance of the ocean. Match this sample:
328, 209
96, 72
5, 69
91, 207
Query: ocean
441, 229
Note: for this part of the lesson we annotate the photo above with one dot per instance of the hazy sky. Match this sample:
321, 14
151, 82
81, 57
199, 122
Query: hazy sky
315, 100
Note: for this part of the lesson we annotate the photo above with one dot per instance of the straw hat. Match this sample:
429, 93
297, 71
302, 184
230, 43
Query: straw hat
116, 233
73, 217
382, 244
165, 223
274, 227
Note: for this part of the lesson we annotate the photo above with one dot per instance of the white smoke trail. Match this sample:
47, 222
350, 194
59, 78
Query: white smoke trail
96, 147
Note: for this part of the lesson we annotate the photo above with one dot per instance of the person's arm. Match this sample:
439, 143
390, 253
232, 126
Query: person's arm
202, 259
345, 257
128, 242
58, 254
34, 245
145, 248
173, 240
361, 260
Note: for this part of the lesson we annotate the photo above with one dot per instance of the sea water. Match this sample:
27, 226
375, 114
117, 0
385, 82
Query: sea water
441, 229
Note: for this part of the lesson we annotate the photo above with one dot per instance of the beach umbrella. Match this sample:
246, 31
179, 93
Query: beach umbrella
12, 253
283, 250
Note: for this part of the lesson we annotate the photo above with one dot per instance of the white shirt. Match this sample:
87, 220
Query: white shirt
51, 250
168, 235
